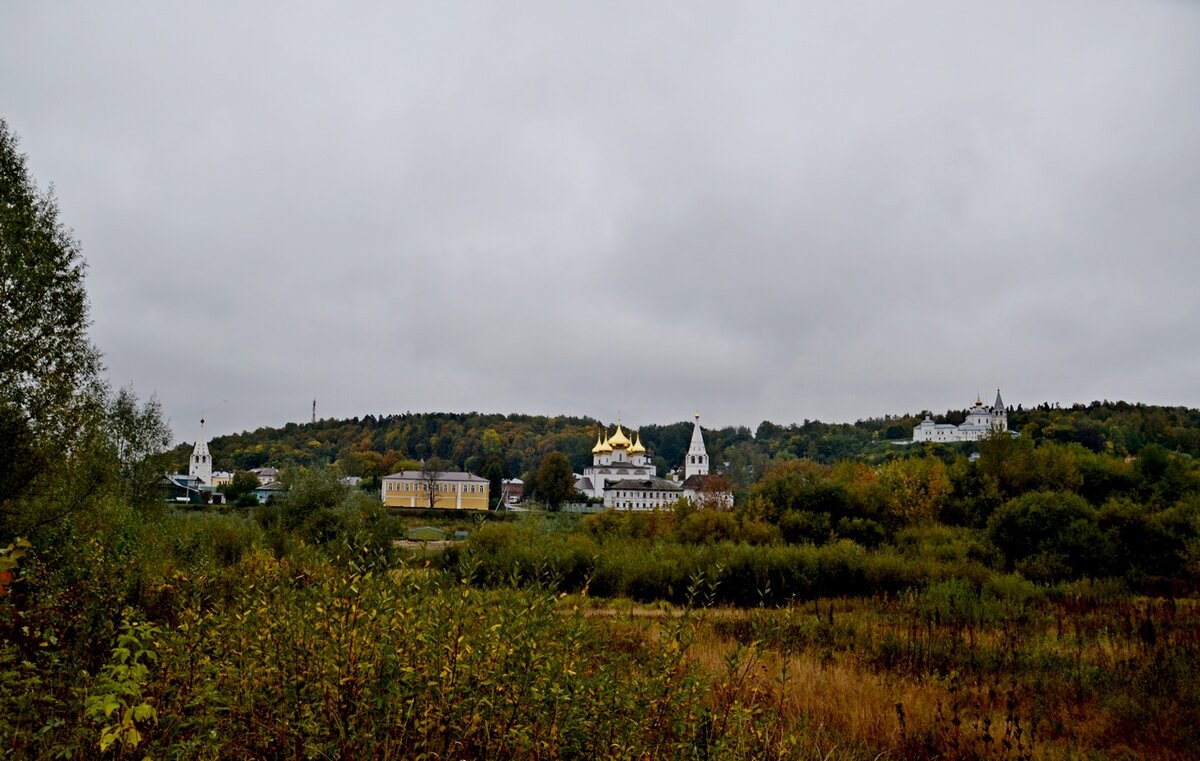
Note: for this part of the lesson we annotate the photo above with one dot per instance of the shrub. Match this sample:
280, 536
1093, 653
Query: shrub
1050, 534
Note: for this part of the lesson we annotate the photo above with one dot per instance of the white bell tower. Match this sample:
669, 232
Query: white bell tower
696, 463
200, 466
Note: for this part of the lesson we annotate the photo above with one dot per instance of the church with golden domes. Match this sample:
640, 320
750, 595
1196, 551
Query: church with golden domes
622, 475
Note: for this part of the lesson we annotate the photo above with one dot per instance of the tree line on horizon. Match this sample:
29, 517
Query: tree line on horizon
512, 446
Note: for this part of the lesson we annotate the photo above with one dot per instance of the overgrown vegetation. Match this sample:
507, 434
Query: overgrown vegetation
202, 635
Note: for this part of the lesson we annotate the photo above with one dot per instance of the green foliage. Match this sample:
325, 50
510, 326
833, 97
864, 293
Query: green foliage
117, 700
1150, 547
21, 460
50, 390
343, 658
139, 436
1049, 535
48, 367
243, 650
917, 489
555, 481
1121, 428
312, 494
242, 483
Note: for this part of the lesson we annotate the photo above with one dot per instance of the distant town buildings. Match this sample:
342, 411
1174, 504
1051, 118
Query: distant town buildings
981, 421
203, 485
512, 491
265, 475
621, 477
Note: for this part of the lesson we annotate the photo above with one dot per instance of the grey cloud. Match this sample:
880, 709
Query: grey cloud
774, 211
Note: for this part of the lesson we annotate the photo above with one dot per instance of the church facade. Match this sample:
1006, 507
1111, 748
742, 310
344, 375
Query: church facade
618, 460
622, 475
981, 421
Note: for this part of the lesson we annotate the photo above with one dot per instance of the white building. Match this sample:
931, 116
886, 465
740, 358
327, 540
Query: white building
981, 421
642, 494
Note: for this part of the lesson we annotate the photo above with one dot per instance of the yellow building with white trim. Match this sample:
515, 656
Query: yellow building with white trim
453, 490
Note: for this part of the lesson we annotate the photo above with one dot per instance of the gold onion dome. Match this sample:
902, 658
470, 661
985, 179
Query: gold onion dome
601, 445
637, 447
619, 439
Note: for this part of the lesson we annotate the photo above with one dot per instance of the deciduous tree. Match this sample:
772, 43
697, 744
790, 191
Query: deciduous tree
916, 488
555, 481
433, 471
51, 395
49, 369
139, 436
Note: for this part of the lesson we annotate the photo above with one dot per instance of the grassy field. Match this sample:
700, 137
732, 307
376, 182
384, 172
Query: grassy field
935, 674
204, 635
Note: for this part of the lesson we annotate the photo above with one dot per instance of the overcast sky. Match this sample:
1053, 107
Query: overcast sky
756, 210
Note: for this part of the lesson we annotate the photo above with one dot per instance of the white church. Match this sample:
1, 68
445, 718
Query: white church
981, 421
201, 483
622, 475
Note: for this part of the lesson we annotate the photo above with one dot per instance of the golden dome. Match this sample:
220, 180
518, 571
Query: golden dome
602, 446
619, 439
637, 447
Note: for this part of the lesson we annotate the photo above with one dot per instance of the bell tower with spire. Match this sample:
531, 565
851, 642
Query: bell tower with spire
696, 463
200, 466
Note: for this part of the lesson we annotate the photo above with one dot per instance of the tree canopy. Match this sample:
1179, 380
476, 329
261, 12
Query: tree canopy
555, 482
66, 441
48, 365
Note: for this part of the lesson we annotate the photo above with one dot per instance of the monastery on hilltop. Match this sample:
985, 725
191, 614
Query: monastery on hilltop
622, 475
981, 421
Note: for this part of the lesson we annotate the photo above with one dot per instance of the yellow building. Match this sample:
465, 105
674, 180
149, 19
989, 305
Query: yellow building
453, 490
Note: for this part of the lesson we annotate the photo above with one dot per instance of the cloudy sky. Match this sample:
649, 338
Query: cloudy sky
759, 211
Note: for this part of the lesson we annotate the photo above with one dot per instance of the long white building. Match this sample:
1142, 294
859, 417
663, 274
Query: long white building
981, 421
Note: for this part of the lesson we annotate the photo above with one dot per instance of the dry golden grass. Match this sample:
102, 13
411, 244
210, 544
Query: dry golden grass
832, 702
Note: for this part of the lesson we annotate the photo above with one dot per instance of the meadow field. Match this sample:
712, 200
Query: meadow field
220, 635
